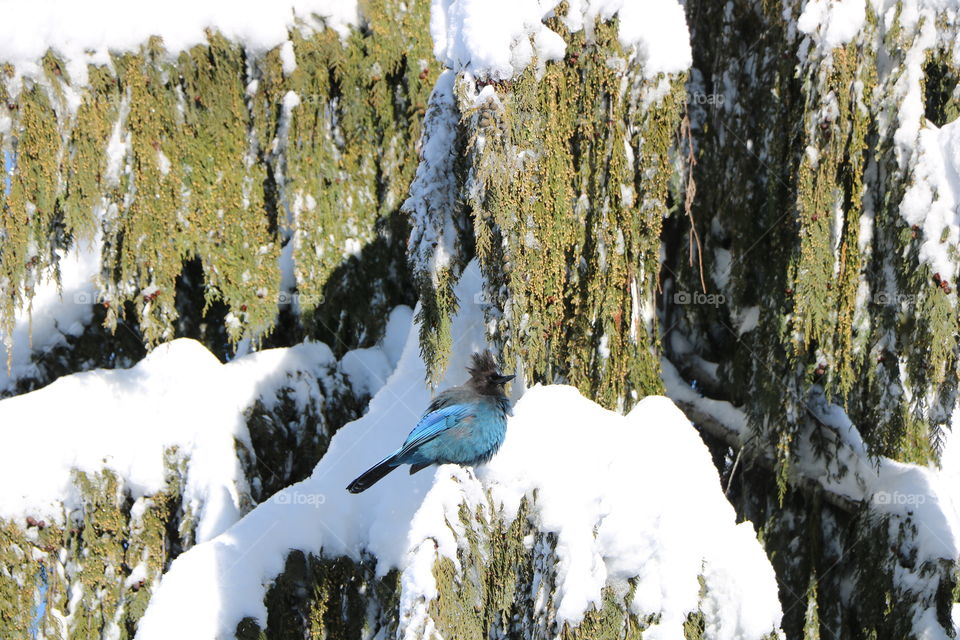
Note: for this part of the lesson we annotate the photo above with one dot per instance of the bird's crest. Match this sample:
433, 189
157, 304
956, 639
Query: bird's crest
483, 364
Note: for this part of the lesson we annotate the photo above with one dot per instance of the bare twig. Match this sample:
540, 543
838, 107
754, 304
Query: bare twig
691, 193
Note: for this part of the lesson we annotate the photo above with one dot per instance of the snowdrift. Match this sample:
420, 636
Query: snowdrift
621, 515
108, 474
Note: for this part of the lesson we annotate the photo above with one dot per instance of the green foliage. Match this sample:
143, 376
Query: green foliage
22, 562
84, 160
27, 217
818, 244
502, 584
826, 270
567, 181
351, 153
85, 563
435, 319
799, 184
317, 597
214, 160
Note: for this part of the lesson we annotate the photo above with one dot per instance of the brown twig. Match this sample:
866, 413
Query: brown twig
691, 193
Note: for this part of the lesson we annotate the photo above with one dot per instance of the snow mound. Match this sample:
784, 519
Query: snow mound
125, 420
626, 496
500, 38
611, 488
178, 396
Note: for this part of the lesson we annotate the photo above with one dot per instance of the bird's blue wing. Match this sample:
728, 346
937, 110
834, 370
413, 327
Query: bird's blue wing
435, 423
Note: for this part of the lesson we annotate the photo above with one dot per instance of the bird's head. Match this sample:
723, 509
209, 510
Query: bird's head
485, 376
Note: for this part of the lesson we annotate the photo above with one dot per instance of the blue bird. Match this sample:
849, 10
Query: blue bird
463, 425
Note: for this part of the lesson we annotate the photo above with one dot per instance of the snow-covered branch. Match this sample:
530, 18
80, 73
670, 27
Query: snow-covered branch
724, 421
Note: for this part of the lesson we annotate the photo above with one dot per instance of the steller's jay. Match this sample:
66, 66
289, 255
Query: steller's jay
462, 425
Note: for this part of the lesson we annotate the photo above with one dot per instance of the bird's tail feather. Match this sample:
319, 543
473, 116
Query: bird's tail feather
372, 475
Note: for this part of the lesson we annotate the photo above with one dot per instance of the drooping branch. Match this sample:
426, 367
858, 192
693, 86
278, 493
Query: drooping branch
726, 422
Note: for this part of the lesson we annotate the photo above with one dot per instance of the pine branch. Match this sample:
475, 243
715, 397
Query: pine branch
724, 421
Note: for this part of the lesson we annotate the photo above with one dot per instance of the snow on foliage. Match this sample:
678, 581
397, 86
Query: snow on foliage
179, 396
610, 487
500, 38
922, 501
56, 312
433, 194
78, 32
929, 155
932, 203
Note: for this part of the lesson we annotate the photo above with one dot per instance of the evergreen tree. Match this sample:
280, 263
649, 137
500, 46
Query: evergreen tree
768, 235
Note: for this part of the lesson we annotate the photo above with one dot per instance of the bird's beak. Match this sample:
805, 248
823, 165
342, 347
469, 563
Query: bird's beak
503, 379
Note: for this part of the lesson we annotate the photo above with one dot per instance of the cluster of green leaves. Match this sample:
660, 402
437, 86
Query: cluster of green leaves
502, 585
798, 205
207, 156
81, 568
566, 180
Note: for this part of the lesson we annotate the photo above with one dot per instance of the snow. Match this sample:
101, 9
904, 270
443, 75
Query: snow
658, 28
492, 37
747, 320
54, 314
394, 337
739, 567
836, 22
434, 192
679, 391
79, 32
909, 494
288, 58
500, 38
179, 396
721, 267
368, 369
932, 202
630, 510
